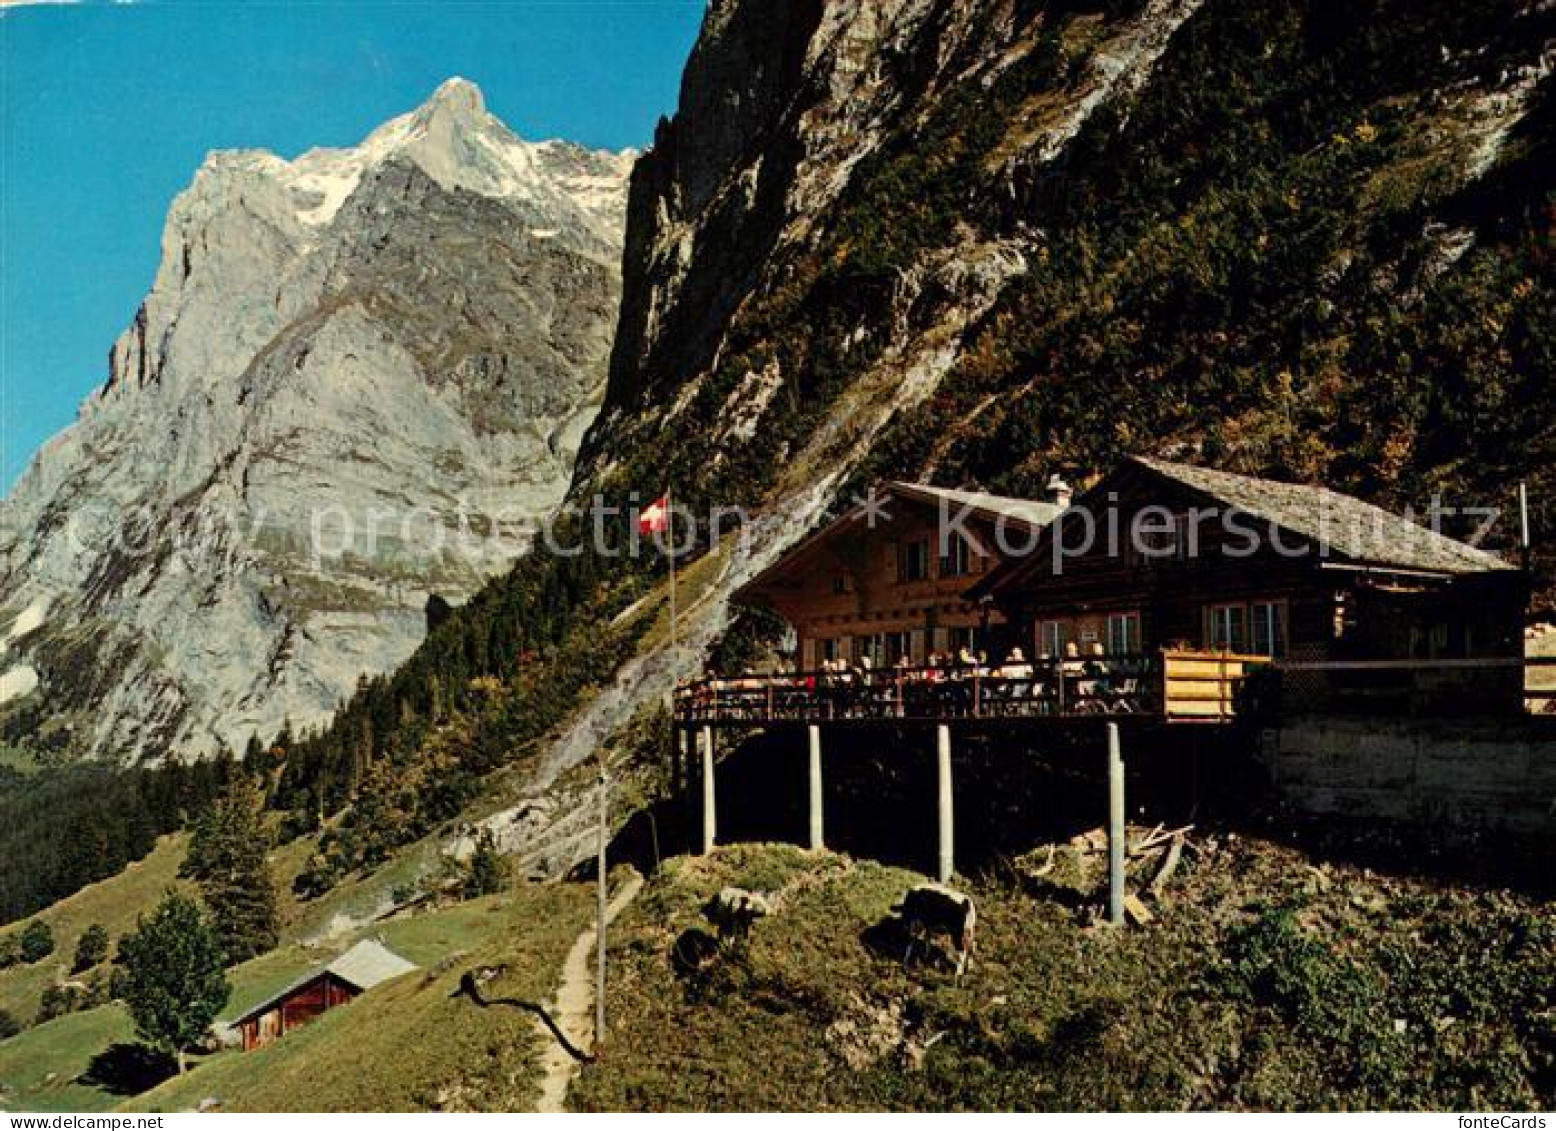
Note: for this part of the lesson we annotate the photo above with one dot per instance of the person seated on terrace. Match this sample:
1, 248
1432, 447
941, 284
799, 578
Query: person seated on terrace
1015, 666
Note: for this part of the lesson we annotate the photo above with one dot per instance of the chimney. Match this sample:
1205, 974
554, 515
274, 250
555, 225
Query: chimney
1058, 491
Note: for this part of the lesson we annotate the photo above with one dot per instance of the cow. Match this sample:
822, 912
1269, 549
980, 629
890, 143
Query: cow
934, 909
733, 910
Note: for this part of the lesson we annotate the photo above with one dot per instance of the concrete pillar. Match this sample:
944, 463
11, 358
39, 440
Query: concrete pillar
816, 837
945, 862
1115, 828
710, 819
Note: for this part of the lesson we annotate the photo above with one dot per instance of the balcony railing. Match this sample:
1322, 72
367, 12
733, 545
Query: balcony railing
1179, 685
1175, 685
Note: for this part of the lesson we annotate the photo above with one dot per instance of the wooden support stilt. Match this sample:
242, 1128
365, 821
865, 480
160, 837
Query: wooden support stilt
1115, 828
680, 762
710, 821
814, 776
945, 862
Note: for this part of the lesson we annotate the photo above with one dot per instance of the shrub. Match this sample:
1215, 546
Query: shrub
91, 948
36, 942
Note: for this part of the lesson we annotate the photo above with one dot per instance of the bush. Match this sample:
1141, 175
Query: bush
91, 948
72, 997
9, 1026
36, 942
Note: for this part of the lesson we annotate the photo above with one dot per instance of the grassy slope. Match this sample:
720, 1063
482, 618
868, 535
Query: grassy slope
1365, 992
38, 1069
62, 1048
531, 931
410, 1045
114, 902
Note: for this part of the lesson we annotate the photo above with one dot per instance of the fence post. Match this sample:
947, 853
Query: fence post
945, 862
710, 822
1115, 828
816, 839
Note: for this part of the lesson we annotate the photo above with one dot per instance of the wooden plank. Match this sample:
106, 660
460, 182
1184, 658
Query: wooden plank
1206, 692
1198, 710
1203, 669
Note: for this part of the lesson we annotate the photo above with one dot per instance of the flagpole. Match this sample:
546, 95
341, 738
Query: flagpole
670, 529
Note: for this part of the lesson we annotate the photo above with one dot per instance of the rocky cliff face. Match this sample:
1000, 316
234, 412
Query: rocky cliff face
971, 217
977, 242
359, 379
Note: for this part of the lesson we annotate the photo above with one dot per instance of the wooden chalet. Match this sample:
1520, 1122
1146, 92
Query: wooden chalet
364, 966
1167, 558
890, 579
1153, 596
1148, 603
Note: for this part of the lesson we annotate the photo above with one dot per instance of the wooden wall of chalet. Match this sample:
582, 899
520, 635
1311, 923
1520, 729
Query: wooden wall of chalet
851, 585
1329, 613
1172, 592
299, 1007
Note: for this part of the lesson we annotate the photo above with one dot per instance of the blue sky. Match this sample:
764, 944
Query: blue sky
108, 109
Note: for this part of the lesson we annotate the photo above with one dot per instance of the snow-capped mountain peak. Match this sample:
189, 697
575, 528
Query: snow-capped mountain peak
416, 326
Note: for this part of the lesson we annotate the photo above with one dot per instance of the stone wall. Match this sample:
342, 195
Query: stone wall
1493, 775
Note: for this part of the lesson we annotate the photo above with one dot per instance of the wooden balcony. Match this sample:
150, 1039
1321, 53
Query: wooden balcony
1168, 686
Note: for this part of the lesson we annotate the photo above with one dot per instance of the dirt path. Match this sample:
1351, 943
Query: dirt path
574, 1008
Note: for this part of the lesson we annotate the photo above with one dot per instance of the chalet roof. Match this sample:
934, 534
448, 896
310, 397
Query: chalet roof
992, 507
369, 963
362, 967
1343, 524
1029, 511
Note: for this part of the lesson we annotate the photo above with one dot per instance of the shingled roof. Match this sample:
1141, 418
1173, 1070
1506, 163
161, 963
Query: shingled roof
1029, 511
1344, 525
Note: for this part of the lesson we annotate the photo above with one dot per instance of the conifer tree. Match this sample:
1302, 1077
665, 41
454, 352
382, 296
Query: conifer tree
227, 859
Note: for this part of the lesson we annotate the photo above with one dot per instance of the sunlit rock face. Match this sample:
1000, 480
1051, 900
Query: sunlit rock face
359, 379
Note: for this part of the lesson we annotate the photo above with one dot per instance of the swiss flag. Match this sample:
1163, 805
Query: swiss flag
655, 517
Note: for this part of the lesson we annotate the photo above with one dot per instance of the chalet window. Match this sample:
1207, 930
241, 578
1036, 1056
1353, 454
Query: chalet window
872, 646
1159, 544
1227, 630
961, 638
1052, 636
913, 561
898, 645
957, 561
1123, 633
842, 583
1258, 627
830, 648
1267, 622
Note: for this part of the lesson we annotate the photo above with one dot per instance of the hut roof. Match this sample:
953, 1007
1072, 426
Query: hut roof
993, 508
362, 967
1344, 524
